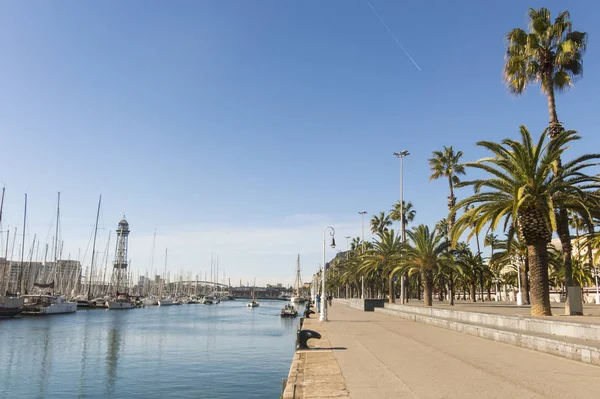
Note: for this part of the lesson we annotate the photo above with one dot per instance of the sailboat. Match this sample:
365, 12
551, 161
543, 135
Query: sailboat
165, 301
44, 304
253, 303
296, 298
10, 305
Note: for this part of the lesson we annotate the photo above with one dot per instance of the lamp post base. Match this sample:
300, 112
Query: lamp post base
519, 299
597, 299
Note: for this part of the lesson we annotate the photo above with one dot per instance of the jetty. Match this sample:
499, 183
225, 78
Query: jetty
392, 353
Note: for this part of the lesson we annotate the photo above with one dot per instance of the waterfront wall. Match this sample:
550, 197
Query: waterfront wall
315, 373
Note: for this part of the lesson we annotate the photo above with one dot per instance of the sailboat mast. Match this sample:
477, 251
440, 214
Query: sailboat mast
56, 239
20, 284
94, 250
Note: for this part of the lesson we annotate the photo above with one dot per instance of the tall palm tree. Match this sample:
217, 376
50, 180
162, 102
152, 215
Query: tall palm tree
446, 164
385, 257
424, 254
443, 228
524, 188
512, 252
552, 54
380, 223
407, 211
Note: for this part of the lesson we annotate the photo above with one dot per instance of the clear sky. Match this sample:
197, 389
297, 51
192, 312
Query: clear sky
244, 127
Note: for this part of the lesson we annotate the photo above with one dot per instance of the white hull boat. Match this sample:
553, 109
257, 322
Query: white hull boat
253, 304
150, 301
120, 304
41, 305
10, 306
165, 302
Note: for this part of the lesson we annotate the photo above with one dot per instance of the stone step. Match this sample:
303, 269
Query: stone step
522, 323
586, 351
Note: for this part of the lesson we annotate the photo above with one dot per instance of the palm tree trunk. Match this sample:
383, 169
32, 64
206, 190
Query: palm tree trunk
537, 254
441, 289
427, 278
481, 282
525, 286
451, 288
392, 297
472, 293
567, 248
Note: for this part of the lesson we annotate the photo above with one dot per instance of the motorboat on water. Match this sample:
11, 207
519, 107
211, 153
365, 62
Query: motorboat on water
207, 300
120, 302
41, 305
97, 303
177, 301
165, 302
11, 306
288, 311
150, 301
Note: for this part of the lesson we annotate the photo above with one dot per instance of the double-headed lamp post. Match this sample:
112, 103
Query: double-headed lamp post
323, 316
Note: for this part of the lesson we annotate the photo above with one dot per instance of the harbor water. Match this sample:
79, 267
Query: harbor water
189, 351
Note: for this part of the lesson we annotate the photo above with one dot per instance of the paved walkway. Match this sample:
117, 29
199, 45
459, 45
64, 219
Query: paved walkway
390, 357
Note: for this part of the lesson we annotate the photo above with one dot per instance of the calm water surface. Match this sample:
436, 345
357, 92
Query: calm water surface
187, 351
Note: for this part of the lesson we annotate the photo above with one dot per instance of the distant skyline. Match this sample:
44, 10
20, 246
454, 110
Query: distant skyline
244, 128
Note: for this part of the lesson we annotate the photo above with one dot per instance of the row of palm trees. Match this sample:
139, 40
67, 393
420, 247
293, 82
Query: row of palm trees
526, 188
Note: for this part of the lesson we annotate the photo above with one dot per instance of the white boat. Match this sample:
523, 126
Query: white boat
150, 301
296, 297
207, 300
253, 303
41, 305
165, 302
98, 303
120, 303
10, 306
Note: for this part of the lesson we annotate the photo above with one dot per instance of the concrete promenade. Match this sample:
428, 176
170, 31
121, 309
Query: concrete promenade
382, 356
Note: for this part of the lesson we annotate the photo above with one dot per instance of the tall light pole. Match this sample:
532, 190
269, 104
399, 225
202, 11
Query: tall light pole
362, 238
323, 316
401, 155
596, 273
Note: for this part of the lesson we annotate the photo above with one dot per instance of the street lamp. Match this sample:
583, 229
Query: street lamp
323, 316
401, 155
362, 237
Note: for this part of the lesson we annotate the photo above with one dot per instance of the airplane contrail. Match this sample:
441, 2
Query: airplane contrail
393, 36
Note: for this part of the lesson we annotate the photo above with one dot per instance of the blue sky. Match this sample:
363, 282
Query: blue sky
244, 127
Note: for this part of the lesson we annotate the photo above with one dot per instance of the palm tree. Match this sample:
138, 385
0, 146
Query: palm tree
385, 257
552, 54
380, 224
446, 163
407, 211
470, 266
524, 188
491, 240
424, 255
443, 228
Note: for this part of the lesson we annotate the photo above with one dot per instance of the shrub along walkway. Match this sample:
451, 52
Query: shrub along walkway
390, 357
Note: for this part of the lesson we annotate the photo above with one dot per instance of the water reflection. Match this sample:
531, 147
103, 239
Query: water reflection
112, 356
46, 364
